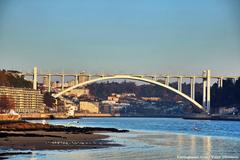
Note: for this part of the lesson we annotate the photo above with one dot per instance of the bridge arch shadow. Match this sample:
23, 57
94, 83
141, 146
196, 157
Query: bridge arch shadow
183, 95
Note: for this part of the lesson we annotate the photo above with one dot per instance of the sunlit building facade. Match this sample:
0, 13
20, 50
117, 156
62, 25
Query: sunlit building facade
24, 100
89, 107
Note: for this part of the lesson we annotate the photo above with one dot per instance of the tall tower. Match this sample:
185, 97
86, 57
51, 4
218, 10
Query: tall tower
35, 75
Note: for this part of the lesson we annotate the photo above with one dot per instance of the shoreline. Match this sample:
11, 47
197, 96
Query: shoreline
188, 117
35, 136
212, 117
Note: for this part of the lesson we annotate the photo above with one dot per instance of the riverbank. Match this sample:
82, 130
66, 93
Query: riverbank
60, 115
213, 117
35, 136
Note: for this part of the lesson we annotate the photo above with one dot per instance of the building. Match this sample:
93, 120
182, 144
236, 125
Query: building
226, 110
114, 97
106, 108
71, 83
56, 84
24, 100
45, 81
89, 107
83, 78
151, 98
128, 95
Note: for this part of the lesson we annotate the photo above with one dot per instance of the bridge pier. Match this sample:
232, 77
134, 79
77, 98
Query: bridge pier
207, 90
155, 78
76, 79
180, 83
192, 81
204, 92
167, 79
220, 82
35, 77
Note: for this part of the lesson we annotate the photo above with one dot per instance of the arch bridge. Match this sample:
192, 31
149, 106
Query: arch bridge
138, 78
83, 79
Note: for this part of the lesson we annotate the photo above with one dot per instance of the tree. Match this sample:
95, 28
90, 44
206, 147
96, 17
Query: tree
48, 99
237, 91
6, 104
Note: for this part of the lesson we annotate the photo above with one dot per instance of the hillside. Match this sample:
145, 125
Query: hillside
12, 79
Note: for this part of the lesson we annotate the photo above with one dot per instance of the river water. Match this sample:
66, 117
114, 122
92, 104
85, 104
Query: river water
154, 138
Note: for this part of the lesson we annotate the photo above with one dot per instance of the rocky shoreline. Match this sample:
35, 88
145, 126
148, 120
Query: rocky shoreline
27, 126
36, 136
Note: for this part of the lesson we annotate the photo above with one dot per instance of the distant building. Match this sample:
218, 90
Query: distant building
106, 108
118, 107
71, 83
83, 78
24, 100
128, 95
230, 110
109, 102
45, 81
89, 107
71, 110
56, 84
151, 98
114, 97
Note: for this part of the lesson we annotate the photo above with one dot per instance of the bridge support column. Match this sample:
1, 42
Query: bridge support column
207, 90
49, 83
155, 78
220, 82
204, 89
76, 79
180, 83
167, 79
193, 80
35, 75
62, 81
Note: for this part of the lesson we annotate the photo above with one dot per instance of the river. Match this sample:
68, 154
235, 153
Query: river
154, 138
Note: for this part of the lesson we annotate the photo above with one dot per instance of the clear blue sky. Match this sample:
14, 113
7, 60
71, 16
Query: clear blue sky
121, 36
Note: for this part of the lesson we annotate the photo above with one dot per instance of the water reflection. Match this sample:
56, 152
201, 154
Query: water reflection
141, 145
180, 142
207, 145
179, 145
193, 145
145, 145
152, 139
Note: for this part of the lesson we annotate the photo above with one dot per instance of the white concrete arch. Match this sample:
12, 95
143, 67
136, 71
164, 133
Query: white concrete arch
133, 78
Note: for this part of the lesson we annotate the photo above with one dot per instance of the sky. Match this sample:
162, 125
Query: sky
121, 36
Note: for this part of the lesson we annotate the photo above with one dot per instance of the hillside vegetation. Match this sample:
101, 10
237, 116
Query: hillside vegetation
10, 79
